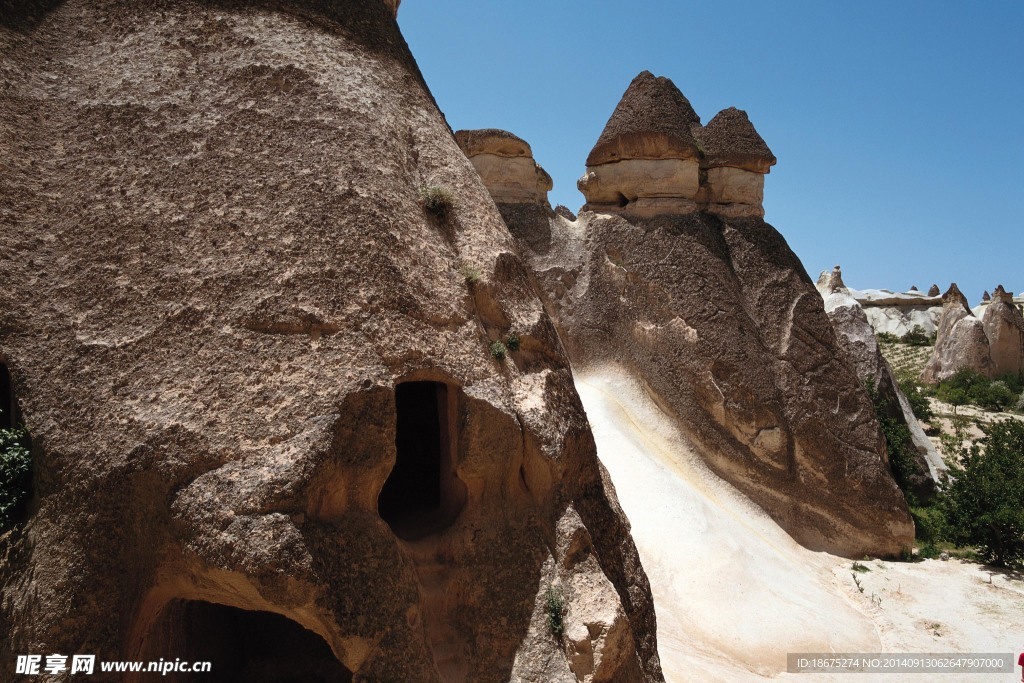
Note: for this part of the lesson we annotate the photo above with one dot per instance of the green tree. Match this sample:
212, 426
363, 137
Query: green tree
983, 499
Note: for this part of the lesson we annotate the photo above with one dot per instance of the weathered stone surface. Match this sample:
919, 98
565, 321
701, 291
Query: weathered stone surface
899, 312
612, 185
216, 274
722, 325
858, 341
1004, 327
934, 291
653, 158
565, 212
730, 139
506, 166
961, 341
653, 120
735, 192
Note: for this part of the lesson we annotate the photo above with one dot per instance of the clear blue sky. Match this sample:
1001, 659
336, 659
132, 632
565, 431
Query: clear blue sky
899, 126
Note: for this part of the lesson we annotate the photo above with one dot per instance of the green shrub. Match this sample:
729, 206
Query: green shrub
556, 609
983, 500
967, 386
437, 200
918, 337
918, 400
512, 342
929, 523
898, 441
15, 475
888, 338
498, 350
471, 274
928, 551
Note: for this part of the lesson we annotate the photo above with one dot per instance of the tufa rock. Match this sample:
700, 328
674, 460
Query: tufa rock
716, 317
516, 183
506, 166
566, 213
1004, 327
236, 335
653, 120
960, 343
858, 340
653, 158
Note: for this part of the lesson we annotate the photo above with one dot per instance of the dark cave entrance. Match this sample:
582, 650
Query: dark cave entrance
422, 494
8, 409
243, 646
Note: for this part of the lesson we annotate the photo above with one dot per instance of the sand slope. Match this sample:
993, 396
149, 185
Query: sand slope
734, 593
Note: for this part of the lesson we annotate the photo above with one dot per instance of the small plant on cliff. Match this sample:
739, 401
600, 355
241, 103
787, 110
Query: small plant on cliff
983, 500
437, 200
15, 475
556, 609
512, 342
471, 274
498, 350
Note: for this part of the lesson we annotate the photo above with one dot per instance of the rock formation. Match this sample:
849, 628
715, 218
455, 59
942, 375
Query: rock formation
934, 290
267, 427
717, 318
1004, 327
516, 183
986, 296
858, 340
506, 166
898, 313
913, 288
961, 341
654, 158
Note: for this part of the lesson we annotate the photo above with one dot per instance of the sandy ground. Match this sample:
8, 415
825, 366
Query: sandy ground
734, 593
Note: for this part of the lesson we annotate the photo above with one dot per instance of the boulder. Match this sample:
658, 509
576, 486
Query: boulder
858, 341
961, 342
1004, 327
267, 427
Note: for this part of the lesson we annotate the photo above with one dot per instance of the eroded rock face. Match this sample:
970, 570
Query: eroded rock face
506, 166
654, 158
961, 341
236, 337
1004, 327
721, 323
858, 340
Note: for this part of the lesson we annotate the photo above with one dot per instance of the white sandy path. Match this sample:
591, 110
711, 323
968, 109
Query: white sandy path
734, 593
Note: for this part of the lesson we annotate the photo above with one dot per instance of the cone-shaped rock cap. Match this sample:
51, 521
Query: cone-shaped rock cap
986, 296
492, 141
933, 290
730, 139
954, 295
653, 121
1000, 294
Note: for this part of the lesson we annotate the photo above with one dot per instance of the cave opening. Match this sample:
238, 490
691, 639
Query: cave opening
423, 494
8, 408
242, 646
